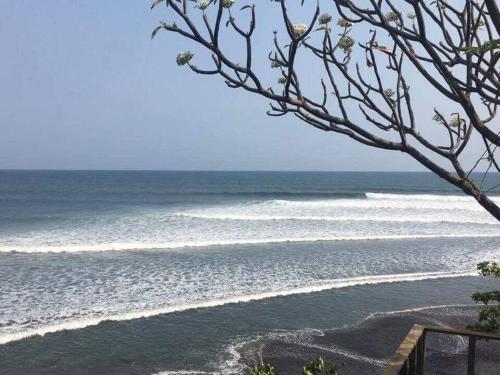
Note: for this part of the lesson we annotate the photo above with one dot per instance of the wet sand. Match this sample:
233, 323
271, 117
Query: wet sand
366, 347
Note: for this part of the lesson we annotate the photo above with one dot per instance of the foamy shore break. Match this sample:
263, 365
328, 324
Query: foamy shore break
169, 245
327, 285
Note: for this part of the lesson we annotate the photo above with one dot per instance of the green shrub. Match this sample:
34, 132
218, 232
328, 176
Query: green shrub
316, 367
489, 316
262, 369
319, 367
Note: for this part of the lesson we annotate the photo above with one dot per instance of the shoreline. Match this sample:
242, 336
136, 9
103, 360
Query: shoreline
290, 330
330, 285
365, 348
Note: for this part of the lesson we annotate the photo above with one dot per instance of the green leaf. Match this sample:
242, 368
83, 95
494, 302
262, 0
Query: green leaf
156, 2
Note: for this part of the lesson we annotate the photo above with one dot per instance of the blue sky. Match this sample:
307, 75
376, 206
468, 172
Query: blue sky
84, 87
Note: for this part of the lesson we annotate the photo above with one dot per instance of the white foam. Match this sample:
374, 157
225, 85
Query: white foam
374, 201
123, 246
421, 197
348, 354
375, 218
394, 201
326, 285
414, 309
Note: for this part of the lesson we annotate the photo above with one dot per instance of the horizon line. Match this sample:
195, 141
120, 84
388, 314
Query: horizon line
215, 170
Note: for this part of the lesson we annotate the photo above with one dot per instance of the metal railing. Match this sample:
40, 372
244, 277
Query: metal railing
410, 356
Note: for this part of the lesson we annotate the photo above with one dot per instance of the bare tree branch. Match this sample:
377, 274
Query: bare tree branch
452, 46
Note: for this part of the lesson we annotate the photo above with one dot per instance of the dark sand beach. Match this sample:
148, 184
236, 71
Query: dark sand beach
365, 348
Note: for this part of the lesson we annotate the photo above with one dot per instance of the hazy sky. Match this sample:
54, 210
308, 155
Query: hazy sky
84, 87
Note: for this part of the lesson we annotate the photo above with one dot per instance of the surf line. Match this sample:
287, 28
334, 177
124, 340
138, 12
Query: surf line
326, 285
195, 244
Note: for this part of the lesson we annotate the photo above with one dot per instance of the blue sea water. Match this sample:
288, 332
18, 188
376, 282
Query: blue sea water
172, 271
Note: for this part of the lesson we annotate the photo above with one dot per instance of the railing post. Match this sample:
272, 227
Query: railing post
404, 361
421, 354
409, 359
471, 357
412, 363
405, 370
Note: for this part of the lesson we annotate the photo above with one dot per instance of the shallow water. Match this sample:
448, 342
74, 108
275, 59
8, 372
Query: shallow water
223, 339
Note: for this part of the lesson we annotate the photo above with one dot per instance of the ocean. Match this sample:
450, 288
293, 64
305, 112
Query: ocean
106, 272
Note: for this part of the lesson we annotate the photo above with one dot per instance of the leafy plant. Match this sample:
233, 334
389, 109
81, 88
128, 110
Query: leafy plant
316, 367
262, 369
319, 367
488, 46
489, 269
489, 316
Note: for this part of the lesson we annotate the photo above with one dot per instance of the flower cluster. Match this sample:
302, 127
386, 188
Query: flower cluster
184, 57
411, 15
344, 23
324, 19
282, 80
456, 122
203, 4
391, 17
389, 93
346, 43
228, 3
437, 118
299, 29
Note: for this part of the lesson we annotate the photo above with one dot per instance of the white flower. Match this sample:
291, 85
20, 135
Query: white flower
389, 93
438, 118
203, 4
184, 57
411, 15
456, 122
299, 29
344, 23
346, 43
392, 17
228, 3
324, 19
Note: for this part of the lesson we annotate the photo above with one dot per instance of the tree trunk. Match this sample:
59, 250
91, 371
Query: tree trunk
469, 188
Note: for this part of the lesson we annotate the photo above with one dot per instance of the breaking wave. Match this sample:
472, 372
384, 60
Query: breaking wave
380, 218
377, 216
179, 245
327, 285
420, 197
